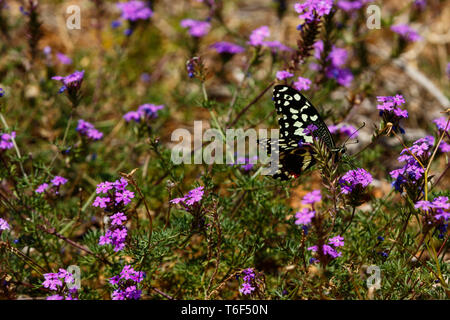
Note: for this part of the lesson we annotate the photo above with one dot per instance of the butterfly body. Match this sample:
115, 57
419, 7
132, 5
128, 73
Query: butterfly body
300, 124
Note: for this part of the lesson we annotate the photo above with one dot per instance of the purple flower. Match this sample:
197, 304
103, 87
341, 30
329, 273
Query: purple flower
72, 81
118, 219
227, 47
444, 147
401, 113
134, 10
331, 251
283, 74
126, 284
338, 56
87, 129
344, 77
309, 7
304, 216
406, 32
302, 84
192, 197
351, 5
132, 115
327, 250
246, 164
424, 205
4, 225
120, 184
246, 288
310, 129
258, 35
124, 197
55, 281
312, 197
101, 202
337, 241
355, 180
144, 112
345, 129
197, 28
41, 188
441, 123
2, 92
104, 187
63, 58
58, 181
6, 140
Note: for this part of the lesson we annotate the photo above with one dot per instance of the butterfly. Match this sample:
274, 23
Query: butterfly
299, 124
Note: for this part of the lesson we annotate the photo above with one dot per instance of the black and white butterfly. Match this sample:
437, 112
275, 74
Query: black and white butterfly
299, 124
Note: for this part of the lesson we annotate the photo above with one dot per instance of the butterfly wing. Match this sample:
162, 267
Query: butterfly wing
295, 114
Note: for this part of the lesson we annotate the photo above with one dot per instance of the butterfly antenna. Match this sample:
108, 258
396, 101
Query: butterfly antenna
362, 126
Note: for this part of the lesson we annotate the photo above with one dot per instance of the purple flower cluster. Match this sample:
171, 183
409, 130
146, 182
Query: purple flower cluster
355, 181
63, 58
406, 32
135, 10
125, 284
87, 129
337, 58
144, 112
283, 74
227, 47
344, 129
114, 198
249, 278
308, 8
60, 283
192, 197
6, 140
258, 36
305, 216
302, 84
72, 82
2, 92
4, 225
197, 28
439, 208
347, 5
330, 250
412, 172
56, 182
245, 163
441, 124
391, 112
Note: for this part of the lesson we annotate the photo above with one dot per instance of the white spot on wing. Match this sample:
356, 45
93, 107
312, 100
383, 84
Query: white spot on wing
293, 110
297, 97
313, 118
